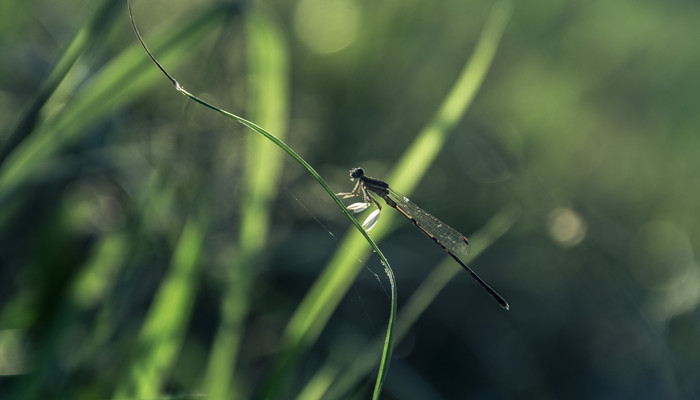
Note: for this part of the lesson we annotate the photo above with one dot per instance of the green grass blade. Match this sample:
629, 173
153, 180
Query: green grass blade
100, 21
164, 327
316, 308
125, 78
388, 349
92, 285
361, 365
288, 359
415, 161
282, 368
275, 381
268, 62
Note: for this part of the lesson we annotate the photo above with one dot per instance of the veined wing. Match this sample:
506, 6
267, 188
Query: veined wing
445, 234
449, 239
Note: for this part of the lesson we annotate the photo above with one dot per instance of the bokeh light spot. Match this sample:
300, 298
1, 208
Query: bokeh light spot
566, 227
327, 26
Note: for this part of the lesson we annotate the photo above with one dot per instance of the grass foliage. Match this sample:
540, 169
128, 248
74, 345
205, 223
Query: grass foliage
153, 248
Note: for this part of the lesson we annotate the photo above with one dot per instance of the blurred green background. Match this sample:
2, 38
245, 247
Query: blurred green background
151, 248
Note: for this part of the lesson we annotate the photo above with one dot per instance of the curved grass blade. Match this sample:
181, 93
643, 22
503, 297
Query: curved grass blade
275, 382
348, 377
309, 319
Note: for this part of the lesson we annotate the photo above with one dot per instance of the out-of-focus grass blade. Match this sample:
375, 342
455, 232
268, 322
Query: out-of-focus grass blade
361, 365
318, 305
98, 275
126, 77
268, 62
274, 382
93, 283
164, 327
100, 21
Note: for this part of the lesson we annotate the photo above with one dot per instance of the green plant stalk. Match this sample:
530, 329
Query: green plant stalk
313, 313
268, 65
163, 330
99, 22
347, 378
278, 374
126, 77
282, 369
276, 380
91, 285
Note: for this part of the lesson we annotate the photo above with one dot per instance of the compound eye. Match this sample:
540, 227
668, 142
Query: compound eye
357, 172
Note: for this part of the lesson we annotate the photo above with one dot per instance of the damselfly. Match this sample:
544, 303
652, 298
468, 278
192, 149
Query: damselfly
453, 242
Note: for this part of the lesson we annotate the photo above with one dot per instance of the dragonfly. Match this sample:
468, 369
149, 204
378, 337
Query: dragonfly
450, 240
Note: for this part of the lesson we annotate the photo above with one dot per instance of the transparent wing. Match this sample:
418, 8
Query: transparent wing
445, 234
442, 234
